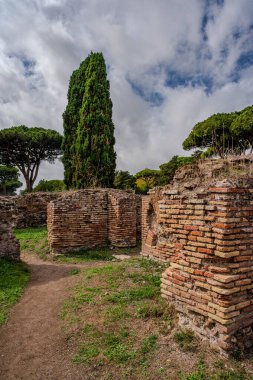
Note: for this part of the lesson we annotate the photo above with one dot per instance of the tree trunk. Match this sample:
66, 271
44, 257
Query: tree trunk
28, 184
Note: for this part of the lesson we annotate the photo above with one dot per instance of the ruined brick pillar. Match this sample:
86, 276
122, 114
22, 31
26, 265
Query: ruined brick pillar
207, 236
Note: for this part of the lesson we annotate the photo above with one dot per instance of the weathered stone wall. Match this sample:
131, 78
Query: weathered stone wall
32, 208
204, 228
9, 245
89, 218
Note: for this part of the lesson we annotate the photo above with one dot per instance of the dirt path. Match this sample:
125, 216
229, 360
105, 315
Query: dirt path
32, 343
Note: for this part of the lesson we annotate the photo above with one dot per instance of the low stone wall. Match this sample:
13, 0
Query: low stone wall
9, 245
204, 228
32, 208
89, 218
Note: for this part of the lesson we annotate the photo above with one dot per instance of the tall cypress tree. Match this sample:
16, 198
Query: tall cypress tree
71, 118
94, 159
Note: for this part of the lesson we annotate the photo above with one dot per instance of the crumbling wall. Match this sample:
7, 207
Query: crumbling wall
92, 217
32, 208
203, 226
9, 245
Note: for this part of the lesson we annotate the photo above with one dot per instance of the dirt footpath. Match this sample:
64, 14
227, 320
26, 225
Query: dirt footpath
32, 343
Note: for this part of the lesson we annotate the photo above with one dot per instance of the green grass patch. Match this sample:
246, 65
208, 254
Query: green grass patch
148, 344
202, 373
116, 347
185, 339
111, 346
88, 329
33, 240
131, 295
86, 254
116, 313
13, 278
86, 352
118, 289
158, 310
123, 328
74, 271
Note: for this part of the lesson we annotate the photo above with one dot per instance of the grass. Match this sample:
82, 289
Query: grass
13, 278
115, 290
121, 328
148, 344
34, 240
116, 313
185, 339
201, 373
74, 271
85, 254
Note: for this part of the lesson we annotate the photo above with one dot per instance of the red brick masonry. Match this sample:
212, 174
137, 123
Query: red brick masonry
207, 236
93, 217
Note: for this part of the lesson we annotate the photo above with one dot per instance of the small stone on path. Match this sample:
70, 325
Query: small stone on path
122, 257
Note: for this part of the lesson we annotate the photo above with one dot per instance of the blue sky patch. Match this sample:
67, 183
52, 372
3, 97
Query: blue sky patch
175, 79
245, 60
28, 66
152, 97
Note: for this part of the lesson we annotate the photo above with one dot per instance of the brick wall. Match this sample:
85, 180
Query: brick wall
9, 245
32, 208
138, 199
89, 218
121, 218
205, 230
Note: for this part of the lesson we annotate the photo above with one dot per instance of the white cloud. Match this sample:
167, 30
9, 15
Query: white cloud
142, 41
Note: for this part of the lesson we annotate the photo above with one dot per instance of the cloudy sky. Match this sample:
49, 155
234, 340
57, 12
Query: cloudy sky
171, 63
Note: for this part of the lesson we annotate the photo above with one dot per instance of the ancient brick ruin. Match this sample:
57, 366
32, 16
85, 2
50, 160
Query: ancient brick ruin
203, 225
9, 245
32, 208
93, 217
